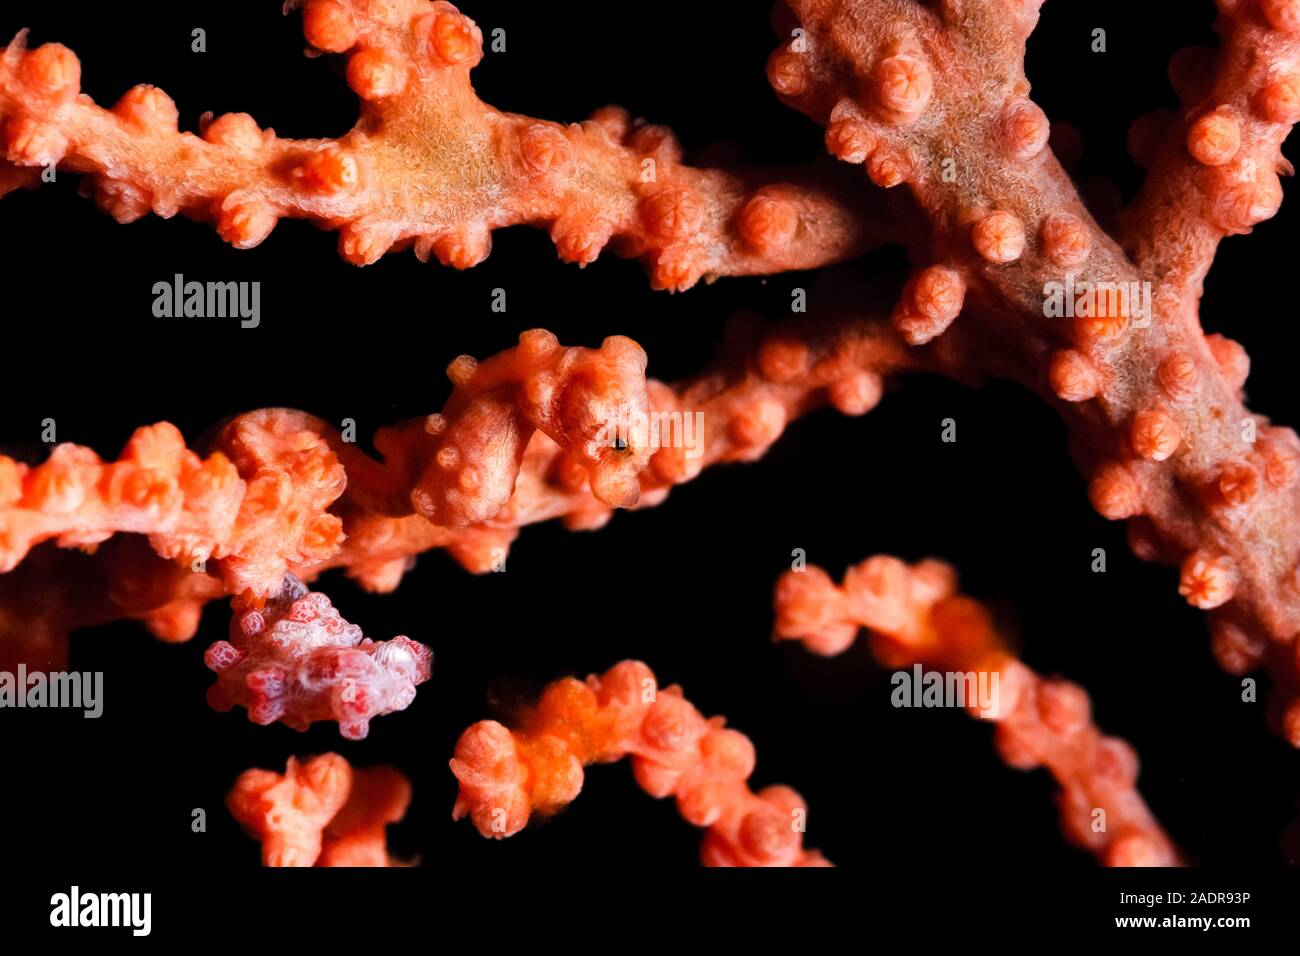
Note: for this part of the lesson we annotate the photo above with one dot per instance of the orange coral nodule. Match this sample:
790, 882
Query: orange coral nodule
579, 237
1187, 66
456, 39
903, 86
856, 394
1279, 101
1072, 376
378, 73
1235, 650
1234, 485
1178, 377
809, 606
1066, 240
768, 222
1115, 492
1155, 434
758, 424
1282, 15
1214, 138
544, 149
1280, 457
999, 237
1145, 135
147, 107
239, 131
328, 26
889, 167
11, 481
1240, 200
849, 140
33, 142
673, 213
787, 72
328, 172
938, 293
1025, 129
51, 72
677, 268
931, 302
1063, 707
1206, 580
781, 359
1231, 358
245, 224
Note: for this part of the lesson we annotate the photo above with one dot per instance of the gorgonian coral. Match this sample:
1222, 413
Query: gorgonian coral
1012, 275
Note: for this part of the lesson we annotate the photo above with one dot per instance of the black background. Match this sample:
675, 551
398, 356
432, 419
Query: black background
685, 586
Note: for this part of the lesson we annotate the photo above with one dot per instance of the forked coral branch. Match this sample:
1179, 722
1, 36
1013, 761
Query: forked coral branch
1155, 405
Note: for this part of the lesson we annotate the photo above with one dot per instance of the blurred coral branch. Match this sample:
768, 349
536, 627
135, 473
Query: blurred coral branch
916, 617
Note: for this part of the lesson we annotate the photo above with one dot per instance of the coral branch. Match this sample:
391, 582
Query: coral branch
55, 592
916, 617
1154, 405
506, 776
429, 165
320, 812
259, 504
290, 468
1213, 165
297, 661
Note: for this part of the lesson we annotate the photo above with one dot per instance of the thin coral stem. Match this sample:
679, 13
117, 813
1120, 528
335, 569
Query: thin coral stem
916, 617
429, 165
506, 776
